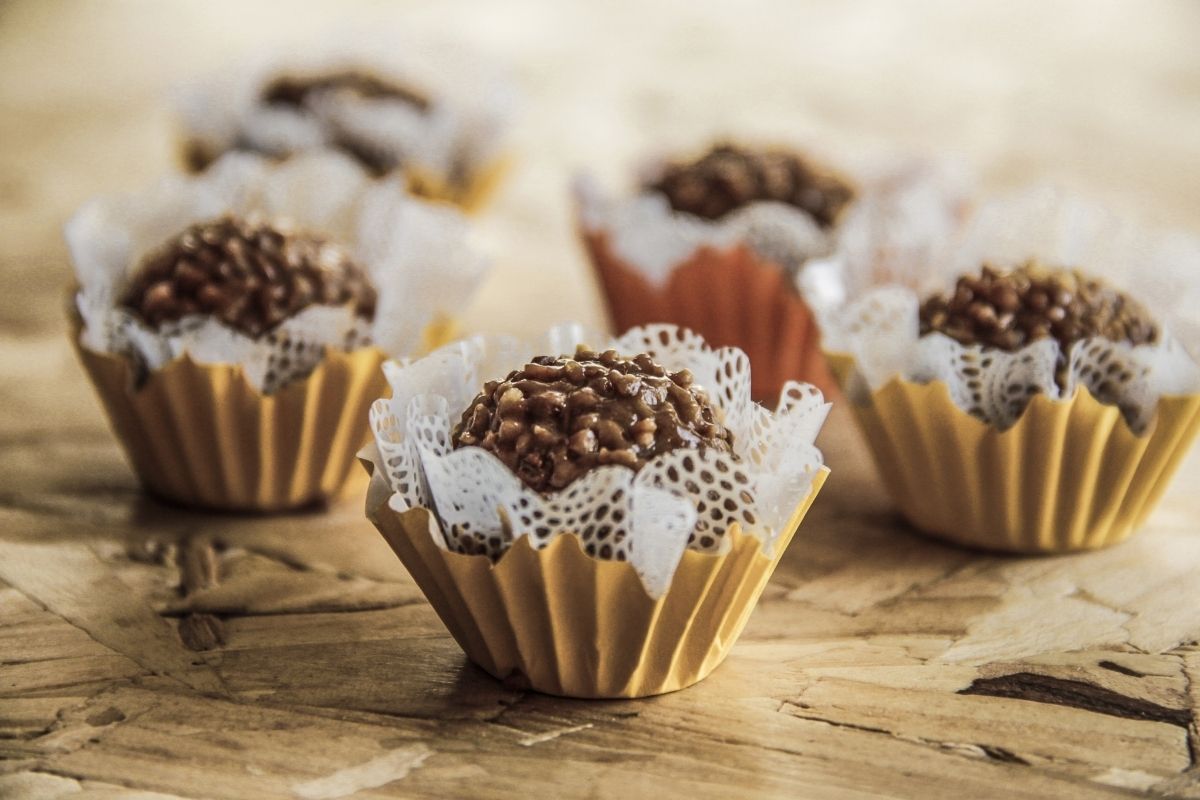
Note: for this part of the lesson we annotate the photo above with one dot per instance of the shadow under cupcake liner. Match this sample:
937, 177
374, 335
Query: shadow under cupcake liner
731, 297
1069, 475
564, 623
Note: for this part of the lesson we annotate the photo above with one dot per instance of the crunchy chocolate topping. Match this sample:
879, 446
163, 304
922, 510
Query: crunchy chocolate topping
1008, 310
299, 91
729, 177
250, 274
559, 417
302, 92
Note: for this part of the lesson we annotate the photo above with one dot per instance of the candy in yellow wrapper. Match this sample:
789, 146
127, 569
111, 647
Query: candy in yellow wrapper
561, 622
256, 398
1068, 475
430, 114
625, 579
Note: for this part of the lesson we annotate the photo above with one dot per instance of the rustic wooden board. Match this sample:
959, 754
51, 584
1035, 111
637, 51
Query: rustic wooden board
151, 652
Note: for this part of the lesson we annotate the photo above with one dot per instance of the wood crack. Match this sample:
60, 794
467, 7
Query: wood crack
1193, 739
1113, 666
1076, 694
990, 752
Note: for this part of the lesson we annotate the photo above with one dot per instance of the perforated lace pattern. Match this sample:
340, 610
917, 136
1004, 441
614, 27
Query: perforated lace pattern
410, 249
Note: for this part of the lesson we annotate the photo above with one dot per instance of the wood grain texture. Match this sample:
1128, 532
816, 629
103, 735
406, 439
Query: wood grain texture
151, 652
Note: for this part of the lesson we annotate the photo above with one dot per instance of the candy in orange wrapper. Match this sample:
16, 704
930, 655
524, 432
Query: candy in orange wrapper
625, 582
234, 324
1024, 407
728, 246
430, 115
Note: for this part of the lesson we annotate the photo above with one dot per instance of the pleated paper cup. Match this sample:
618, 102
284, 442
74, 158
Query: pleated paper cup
1069, 475
201, 435
730, 296
561, 622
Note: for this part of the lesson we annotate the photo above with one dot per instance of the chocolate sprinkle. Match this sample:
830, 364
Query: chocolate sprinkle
1008, 310
729, 177
250, 274
559, 417
300, 92
303, 93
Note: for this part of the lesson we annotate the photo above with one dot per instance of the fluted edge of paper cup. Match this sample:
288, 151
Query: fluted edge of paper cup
201, 435
561, 622
730, 296
1070, 475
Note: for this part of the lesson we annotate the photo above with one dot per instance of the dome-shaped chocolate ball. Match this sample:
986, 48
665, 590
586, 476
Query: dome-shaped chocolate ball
558, 417
300, 91
729, 177
1010, 309
250, 274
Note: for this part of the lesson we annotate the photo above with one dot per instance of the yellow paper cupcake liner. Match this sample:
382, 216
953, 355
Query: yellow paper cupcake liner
564, 623
201, 435
1069, 475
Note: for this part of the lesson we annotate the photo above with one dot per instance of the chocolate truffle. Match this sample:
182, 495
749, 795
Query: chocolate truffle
729, 177
559, 417
1010, 309
248, 273
305, 94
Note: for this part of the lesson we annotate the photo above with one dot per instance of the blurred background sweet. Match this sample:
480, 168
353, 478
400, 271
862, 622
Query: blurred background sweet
1099, 97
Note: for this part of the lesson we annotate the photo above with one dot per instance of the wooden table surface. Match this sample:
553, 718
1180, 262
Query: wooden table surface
879, 663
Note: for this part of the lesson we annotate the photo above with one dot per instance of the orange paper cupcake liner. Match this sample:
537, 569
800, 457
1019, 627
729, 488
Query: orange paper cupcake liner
561, 622
731, 297
1069, 475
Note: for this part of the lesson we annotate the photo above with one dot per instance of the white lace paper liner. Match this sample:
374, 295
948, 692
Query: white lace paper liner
683, 499
471, 105
906, 210
880, 328
410, 249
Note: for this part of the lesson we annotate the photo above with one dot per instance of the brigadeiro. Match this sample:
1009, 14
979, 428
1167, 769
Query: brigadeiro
1010, 309
716, 243
729, 177
598, 524
249, 273
1029, 406
558, 417
234, 327
432, 116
